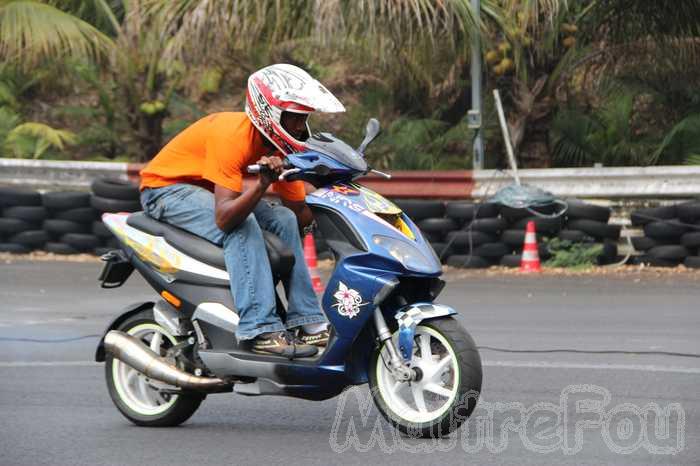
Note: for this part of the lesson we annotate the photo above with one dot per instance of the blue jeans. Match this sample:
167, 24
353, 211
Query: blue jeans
192, 209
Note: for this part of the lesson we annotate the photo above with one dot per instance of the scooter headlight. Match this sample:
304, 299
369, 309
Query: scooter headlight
410, 256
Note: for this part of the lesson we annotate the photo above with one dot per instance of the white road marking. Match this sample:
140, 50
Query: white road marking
487, 363
574, 365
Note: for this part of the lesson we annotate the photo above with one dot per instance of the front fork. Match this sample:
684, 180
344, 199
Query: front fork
398, 366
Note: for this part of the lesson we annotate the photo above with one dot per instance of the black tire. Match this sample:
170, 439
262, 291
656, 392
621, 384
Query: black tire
492, 225
62, 200
545, 226
58, 227
575, 236
656, 262
513, 238
30, 238
460, 211
653, 214
182, 409
104, 204
469, 261
78, 215
691, 239
100, 230
688, 212
432, 237
581, 210
113, 243
81, 241
437, 225
102, 250
60, 248
468, 387
609, 253
463, 241
441, 250
31, 214
10, 197
511, 260
14, 248
493, 250
670, 230
420, 209
670, 252
12, 226
692, 262
114, 188
512, 214
598, 230
644, 243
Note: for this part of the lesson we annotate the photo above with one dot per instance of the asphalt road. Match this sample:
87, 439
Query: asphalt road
536, 407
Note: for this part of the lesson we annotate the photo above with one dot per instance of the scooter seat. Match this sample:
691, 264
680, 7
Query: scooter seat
281, 257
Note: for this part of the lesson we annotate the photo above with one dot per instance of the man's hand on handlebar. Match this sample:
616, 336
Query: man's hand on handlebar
271, 168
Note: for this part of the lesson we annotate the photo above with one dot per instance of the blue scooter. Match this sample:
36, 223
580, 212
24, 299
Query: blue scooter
162, 358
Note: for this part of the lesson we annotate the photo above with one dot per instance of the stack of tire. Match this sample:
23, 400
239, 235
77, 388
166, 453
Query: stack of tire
111, 195
479, 235
463, 234
21, 221
70, 223
581, 223
671, 235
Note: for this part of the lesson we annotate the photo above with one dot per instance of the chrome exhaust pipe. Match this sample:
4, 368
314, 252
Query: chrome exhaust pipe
135, 354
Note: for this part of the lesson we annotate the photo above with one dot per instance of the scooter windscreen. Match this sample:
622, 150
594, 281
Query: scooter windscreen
327, 144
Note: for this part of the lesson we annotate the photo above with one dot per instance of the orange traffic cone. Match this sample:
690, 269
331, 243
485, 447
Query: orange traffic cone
530, 260
311, 262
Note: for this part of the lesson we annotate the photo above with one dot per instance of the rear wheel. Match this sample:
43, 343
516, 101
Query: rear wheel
448, 388
138, 398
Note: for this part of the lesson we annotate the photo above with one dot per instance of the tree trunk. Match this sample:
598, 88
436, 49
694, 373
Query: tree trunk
150, 136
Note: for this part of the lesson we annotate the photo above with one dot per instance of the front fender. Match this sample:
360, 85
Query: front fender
127, 312
408, 317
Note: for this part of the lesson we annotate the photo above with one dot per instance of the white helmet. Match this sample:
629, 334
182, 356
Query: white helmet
285, 88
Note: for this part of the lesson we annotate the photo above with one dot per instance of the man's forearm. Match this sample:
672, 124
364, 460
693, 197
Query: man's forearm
232, 212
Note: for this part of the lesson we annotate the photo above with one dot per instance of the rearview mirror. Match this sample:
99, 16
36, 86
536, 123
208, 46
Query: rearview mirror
371, 132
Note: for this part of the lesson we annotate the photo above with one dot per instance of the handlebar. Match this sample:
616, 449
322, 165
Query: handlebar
256, 168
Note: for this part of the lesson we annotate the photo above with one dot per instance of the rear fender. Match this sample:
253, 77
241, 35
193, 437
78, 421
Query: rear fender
127, 312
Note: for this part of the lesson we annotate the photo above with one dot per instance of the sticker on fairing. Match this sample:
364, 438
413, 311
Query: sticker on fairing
348, 301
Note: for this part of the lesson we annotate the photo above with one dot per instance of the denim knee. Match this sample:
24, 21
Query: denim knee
286, 218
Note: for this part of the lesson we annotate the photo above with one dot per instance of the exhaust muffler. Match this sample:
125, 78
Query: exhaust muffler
135, 354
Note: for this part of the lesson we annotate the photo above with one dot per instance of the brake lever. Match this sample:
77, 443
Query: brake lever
290, 171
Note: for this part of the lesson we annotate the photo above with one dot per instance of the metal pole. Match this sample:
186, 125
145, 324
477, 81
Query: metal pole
506, 136
478, 147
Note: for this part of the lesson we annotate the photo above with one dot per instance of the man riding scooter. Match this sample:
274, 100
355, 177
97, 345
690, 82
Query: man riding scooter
196, 183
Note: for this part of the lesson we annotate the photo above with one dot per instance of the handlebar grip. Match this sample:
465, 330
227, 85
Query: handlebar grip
254, 169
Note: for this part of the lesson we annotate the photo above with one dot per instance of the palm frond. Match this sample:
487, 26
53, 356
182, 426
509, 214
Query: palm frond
681, 143
43, 137
32, 32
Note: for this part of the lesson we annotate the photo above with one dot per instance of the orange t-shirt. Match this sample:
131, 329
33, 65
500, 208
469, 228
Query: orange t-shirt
214, 150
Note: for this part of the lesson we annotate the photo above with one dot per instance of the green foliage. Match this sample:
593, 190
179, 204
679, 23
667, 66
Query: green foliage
210, 82
605, 136
682, 143
572, 255
34, 139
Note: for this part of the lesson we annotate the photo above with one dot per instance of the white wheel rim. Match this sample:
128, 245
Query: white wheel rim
135, 389
428, 399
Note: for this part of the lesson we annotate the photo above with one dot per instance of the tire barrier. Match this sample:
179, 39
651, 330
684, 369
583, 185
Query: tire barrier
63, 222
671, 235
478, 235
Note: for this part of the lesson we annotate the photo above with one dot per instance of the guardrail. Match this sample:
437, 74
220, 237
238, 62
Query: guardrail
611, 183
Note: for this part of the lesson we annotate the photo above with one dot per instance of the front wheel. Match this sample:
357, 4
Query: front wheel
140, 399
449, 384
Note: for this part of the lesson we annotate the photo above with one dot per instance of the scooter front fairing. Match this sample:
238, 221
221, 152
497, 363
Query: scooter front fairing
375, 245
